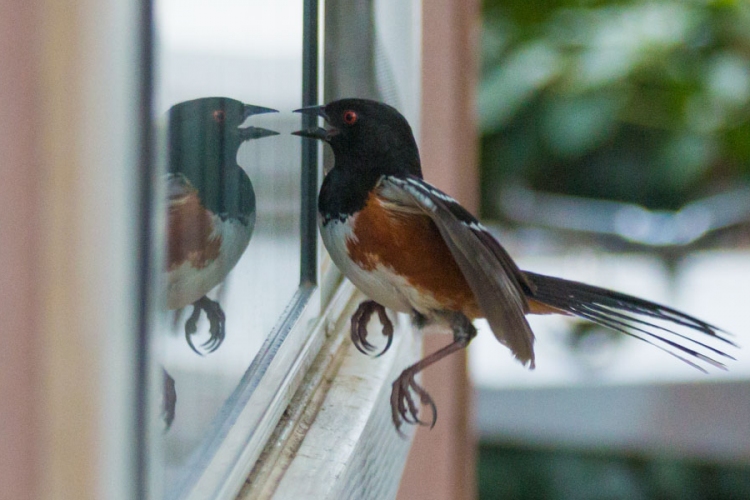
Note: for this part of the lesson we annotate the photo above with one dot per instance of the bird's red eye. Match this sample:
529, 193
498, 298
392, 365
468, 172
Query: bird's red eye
350, 117
219, 116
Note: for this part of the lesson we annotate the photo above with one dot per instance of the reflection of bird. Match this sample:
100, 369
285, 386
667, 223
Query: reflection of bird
211, 203
412, 248
169, 398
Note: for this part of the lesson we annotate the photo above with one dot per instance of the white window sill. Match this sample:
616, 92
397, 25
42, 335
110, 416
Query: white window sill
336, 439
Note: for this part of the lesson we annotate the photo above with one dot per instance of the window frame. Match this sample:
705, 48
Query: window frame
97, 430
280, 373
250, 414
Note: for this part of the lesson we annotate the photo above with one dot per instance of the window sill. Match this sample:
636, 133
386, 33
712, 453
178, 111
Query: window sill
336, 439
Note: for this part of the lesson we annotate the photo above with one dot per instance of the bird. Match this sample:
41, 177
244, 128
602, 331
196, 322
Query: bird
411, 248
211, 204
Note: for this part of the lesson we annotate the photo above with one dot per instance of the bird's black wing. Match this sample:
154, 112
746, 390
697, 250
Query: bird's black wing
494, 278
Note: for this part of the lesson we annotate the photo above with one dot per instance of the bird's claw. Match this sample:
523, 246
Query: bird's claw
216, 319
361, 318
191, 326
169, 399
403, 407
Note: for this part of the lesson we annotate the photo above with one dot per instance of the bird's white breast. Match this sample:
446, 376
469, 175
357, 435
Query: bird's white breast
186, 284
381, 284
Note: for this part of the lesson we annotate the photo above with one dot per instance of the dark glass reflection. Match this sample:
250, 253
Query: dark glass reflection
211, 204
250, 50
211, 208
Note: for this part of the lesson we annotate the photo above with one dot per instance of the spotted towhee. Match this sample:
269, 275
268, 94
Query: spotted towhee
412, 248
211, 203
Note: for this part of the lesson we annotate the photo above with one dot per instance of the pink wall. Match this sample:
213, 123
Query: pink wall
19, 181
441, 464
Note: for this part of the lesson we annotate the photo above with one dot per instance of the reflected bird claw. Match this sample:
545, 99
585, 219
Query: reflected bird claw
216, 319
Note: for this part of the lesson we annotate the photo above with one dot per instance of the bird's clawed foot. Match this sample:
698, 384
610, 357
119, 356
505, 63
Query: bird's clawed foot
216, 320
403, 407
361, 318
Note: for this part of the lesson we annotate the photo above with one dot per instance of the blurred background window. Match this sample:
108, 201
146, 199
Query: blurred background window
615, 150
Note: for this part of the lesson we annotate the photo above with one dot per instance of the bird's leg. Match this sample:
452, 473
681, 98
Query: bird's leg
403, 407
216, 321
418, 319
169, 401
191, 326
361, 318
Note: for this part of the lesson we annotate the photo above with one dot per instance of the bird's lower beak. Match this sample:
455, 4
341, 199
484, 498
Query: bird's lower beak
314, 133
249, 133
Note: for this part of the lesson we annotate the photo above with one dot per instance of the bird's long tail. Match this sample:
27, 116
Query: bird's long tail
663, 327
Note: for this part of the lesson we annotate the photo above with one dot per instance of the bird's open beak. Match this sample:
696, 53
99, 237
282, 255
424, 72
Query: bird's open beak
248, 133
315, 132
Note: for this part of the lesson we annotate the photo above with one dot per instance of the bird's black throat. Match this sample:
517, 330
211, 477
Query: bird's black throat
344, 192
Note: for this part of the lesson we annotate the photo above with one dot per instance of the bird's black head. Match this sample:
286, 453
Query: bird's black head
367, 135
204, 137
208, 130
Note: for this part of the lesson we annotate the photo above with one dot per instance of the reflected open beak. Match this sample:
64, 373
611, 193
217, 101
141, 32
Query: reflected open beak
249, 133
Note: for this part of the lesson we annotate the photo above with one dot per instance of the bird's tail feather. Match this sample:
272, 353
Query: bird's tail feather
650, 322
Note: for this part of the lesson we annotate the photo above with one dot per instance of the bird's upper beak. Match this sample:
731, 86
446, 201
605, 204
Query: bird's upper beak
248, 133
314, 111
315, 132
251, 110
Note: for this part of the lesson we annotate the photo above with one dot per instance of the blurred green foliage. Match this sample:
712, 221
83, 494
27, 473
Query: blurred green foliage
644, 102
512, 473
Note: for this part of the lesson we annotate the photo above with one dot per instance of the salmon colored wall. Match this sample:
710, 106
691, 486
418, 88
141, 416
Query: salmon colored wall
19, 184
441, 465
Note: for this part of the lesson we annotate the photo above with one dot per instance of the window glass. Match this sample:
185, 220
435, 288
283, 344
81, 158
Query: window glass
233, 199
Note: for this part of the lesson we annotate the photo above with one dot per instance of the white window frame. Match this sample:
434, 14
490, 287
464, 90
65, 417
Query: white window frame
312, 340
90, 150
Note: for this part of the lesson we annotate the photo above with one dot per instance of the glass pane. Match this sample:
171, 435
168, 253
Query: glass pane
221, 66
